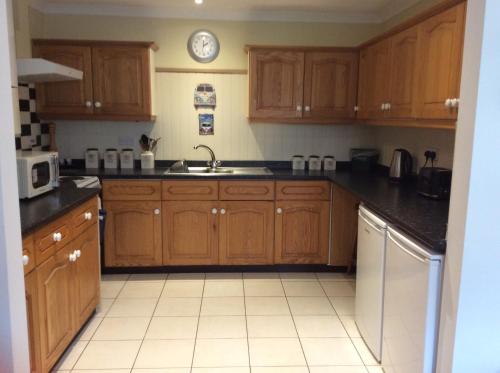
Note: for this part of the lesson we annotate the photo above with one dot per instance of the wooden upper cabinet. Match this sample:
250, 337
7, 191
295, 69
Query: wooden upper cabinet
246, 232
121, 80
403, 69
276, 83
133, 233
330, 84
71, 97
440, 60
302, 232
190, 233
117, 80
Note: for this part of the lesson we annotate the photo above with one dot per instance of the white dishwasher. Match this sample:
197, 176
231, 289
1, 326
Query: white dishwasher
370, 279
411, 306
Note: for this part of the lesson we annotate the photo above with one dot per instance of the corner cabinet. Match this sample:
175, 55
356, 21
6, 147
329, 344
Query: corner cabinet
117, 80
302, 85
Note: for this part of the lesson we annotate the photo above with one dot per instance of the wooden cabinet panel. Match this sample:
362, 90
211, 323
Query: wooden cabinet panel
133, 233
86, 274
121, 80
29, 252
71, 96
51, 238
248, 190
403, 64
84, 216
56, 306
440, 62
303, 190
276, 83
131, 190
344, 227
302, 232
364, 83
32, 315
190, 190
330, 84
246, 233
190, 232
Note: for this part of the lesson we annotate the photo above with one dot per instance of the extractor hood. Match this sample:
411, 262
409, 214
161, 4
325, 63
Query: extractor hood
39, 70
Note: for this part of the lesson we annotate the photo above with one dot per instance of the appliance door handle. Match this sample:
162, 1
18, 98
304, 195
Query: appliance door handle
55, 169
377, 227
404, 249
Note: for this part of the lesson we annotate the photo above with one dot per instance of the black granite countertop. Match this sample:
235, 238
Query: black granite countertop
423, 219
41, 210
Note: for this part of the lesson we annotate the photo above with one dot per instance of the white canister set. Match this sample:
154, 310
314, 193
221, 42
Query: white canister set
314, 163
113, 159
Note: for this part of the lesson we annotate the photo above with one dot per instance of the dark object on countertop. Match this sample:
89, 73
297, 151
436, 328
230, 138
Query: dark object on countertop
434, 182
180, 166
401, 165
148, 144
364, 160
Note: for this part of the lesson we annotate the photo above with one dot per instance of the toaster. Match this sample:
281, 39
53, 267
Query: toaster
434, 182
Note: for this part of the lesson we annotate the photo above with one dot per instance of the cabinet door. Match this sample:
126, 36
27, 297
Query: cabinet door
87, 274
121, 80
374, 80
56, 306
330, 84
32, 315
190, 232
344, 227
133, 234
276, 84
302, 232
440, 61
246, 232
71, 97
403, 83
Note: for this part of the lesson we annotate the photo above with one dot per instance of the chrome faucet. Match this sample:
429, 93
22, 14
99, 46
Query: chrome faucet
214, 163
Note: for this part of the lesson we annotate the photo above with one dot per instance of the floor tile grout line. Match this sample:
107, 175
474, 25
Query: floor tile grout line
150, 320
246, 324
198, 323
295, 326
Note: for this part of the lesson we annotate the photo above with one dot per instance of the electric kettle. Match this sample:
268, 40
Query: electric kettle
401, 165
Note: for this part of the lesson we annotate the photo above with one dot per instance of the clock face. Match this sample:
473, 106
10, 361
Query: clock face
203, 46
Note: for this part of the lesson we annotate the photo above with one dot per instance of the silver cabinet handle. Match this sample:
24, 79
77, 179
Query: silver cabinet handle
222, 211
77, 253
307, 108
356, 108
88, 216
455, 102
299, 108
382, 106
214, 211
57, 237
279, 210
388, 106
97, 104
26, 260
157, 211
447, 102
88, 103
72, 257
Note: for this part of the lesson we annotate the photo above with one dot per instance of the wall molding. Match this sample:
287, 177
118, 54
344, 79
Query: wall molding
201, 71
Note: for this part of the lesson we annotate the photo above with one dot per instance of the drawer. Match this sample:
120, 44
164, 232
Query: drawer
190, 190
84, 216
246, 190
131, 190
28, 254
52, 237
303, 190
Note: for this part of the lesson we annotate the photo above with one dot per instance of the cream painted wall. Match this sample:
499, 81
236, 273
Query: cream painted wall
172, 35
234, 139
28, 24
410, 12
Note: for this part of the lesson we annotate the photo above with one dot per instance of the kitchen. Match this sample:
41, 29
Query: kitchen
246, 262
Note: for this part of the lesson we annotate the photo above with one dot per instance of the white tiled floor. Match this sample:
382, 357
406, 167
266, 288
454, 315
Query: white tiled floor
222, 322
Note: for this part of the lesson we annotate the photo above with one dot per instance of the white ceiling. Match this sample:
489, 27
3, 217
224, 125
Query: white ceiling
279, 10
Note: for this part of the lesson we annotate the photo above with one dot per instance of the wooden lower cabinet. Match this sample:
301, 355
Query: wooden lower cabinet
133, 233
32, 315
246, 232
344, 227
302, 232
87, 274
56, 299
190, 232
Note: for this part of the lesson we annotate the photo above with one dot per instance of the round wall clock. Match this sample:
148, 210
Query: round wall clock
203, 46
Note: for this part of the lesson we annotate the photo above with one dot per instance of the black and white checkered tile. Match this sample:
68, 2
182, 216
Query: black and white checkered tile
34, 135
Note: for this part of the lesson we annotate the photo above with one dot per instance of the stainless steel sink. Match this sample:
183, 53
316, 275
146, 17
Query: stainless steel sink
207, 171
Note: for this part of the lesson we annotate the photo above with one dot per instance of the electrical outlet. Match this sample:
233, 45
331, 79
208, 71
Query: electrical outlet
434, 150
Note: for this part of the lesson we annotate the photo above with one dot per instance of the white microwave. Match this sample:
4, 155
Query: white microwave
37, 172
